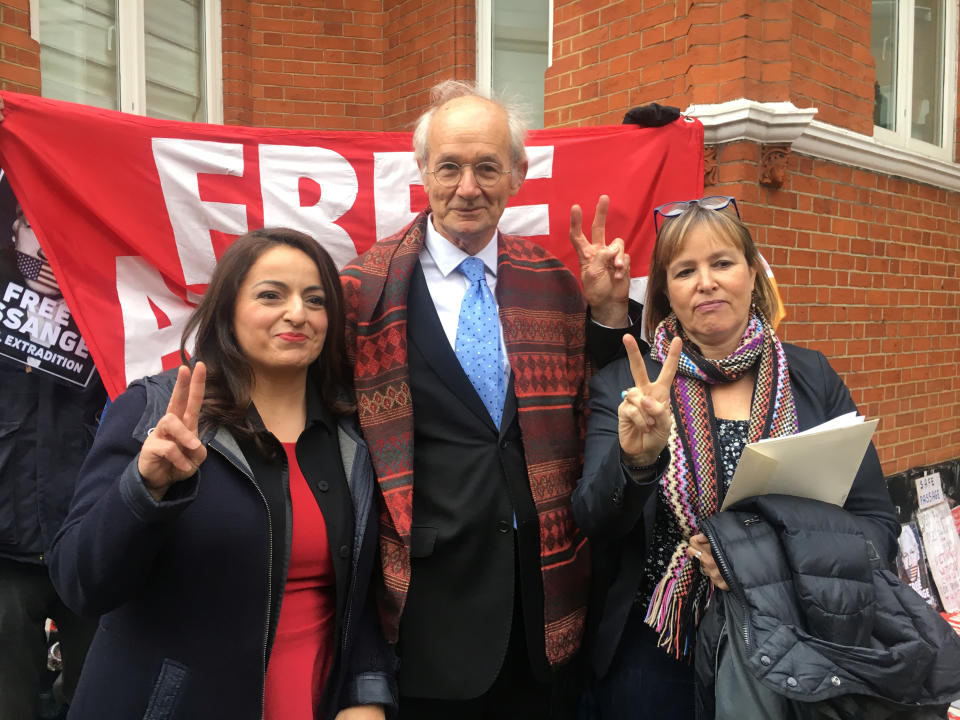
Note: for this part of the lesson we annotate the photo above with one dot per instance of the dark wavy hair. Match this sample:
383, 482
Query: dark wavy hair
229, 374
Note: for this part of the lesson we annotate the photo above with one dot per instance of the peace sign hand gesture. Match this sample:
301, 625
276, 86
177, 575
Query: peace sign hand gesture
173, 451
604, 269
645, 416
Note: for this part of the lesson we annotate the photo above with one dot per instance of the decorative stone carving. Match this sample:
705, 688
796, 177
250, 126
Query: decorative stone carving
773, 164
711, 167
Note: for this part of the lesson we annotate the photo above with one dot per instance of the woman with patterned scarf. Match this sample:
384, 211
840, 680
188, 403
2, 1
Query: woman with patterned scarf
665, 436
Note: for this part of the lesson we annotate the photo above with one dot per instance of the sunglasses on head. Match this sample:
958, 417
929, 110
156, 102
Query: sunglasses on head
674, 209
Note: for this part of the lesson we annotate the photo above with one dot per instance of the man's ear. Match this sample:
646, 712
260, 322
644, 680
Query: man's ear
517, 176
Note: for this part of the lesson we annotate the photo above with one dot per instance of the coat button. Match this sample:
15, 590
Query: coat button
344, 551
323, 486
504, 444
503, 526
765, 660
835, 681
792, 682
617, 496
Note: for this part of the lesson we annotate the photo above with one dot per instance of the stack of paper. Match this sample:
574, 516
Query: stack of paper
819, 463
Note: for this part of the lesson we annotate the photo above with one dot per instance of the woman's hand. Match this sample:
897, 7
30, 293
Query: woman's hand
604, 269
700, 548
173, 451
362, 712
645, 415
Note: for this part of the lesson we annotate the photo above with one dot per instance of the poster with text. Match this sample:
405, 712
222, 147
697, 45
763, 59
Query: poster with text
36, 327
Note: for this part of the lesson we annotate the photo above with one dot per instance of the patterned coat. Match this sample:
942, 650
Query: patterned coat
542, 314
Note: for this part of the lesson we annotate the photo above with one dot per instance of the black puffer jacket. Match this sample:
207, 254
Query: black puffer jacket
814, 615
46, 429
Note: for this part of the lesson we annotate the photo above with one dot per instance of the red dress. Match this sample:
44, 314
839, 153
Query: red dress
303, 648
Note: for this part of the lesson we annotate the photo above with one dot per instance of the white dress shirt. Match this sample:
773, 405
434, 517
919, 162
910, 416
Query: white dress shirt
447, 285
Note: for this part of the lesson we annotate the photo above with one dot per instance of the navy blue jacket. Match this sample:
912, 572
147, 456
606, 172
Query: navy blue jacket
46, 429
188, 586
617, 514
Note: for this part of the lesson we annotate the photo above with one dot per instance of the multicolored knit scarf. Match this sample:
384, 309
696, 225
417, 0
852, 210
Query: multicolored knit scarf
692, 478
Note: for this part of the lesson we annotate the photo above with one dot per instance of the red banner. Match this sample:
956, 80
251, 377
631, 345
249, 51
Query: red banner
133, 212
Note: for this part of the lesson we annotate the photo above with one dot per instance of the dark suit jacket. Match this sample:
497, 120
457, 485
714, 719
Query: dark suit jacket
618, 514
542, 315
459, 610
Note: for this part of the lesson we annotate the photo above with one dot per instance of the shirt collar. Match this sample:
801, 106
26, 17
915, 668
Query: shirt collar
448, 256
317, 411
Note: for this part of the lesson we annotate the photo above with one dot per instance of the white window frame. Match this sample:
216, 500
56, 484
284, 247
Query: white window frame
131, 56
904, 105
485, 43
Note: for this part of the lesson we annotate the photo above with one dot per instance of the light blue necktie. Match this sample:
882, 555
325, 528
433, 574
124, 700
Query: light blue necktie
478, 339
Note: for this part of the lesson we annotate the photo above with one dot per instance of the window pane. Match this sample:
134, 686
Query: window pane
928, 61
175, 59
883, 45
78, 51
520, 37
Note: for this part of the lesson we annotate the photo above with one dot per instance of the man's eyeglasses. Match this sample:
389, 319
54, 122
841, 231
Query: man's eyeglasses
674, 209
485, 174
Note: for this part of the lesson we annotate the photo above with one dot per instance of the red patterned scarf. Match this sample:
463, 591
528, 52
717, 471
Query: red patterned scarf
542, 315
692, 479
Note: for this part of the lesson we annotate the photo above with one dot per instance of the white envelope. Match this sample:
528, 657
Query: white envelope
819, 463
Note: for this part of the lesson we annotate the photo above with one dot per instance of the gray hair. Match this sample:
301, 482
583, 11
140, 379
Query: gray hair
448, 90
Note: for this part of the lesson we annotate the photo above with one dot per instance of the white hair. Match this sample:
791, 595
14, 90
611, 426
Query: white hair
448, 90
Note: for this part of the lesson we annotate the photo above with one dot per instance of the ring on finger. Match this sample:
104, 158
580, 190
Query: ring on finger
698, 554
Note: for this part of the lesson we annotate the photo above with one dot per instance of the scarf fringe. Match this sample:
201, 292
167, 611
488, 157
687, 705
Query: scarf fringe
675, 615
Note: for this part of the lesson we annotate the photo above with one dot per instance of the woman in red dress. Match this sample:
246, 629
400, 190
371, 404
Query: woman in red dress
224, 524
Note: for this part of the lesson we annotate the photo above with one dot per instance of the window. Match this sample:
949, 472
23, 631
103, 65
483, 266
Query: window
151, 57
513, 50
914, 46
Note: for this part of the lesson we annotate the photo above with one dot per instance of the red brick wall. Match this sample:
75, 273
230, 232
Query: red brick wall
19, 54
237, 63
832, 67
357, 65
427, 41
867, 265
286, 64
610, 56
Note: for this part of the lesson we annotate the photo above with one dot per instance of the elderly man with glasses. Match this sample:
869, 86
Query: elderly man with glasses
468, 349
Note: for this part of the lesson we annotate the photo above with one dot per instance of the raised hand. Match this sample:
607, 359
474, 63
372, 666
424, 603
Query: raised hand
645, 415
173, 451
604, 269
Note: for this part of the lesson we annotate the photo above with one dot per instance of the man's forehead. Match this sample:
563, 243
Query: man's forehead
469, 126
468, 153
473, 104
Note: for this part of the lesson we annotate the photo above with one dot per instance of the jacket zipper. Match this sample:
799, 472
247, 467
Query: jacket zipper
266, 622
354, 563
716, 652
735, 588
